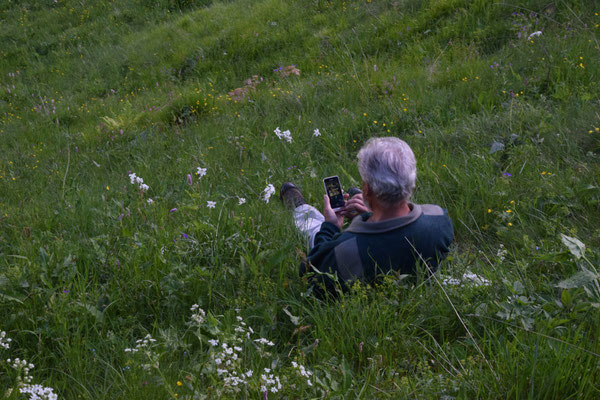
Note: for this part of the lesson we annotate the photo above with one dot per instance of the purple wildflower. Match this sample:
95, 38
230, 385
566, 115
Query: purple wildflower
172, 210
189, 179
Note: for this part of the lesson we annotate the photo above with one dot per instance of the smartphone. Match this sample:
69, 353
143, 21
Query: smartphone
333, 188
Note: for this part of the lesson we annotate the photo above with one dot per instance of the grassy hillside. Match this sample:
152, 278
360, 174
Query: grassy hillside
498, 100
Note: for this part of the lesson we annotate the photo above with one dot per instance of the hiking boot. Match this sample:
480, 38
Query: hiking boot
291, 196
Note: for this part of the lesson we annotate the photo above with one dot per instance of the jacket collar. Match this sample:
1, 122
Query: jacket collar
360, 223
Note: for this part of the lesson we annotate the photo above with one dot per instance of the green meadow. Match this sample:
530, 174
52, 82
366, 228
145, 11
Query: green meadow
185, 285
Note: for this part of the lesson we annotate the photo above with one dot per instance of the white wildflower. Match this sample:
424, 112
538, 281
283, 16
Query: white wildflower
475, 279
534, 34
149, 201
213, 342
134, 179
268, 192
501, 254
4, 341
211, 204
198, 314
467, 278
450, 282
264, 341
316, 133
241, 201
38, 392
287, 136
200, 171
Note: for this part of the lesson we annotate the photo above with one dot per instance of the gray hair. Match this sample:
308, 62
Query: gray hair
388, 166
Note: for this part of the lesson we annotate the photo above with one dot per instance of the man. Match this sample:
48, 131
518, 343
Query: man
390, 234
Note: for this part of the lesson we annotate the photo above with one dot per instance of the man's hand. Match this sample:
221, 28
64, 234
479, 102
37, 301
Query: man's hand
354, 206
331, 216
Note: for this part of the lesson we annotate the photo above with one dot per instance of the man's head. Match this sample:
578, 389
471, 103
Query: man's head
389, 169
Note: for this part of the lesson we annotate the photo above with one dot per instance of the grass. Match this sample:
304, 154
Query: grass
504, 126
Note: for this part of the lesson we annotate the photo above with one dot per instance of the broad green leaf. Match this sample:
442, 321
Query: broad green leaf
575, 246
578, 280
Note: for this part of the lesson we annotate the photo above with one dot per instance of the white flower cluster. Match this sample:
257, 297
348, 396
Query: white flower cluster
198, 314
4, 341
502, 252
24, 367
243, 329
141, 344
268, 192
285, 135
228, 366
269, 382
24, 378
38, 392
264, 341
475, 279
303, 372
468, 277
228, 360
146, 353
451, 282
134, 179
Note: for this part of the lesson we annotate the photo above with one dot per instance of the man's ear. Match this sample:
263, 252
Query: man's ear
366, 189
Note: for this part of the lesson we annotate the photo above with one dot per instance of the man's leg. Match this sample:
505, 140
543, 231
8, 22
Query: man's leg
308, 220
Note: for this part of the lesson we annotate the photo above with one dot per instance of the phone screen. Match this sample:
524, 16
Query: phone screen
334, 191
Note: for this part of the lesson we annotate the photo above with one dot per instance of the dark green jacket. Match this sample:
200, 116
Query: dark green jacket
367, 249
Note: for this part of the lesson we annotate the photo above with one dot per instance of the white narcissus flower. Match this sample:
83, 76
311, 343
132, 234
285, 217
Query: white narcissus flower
287, 136
200, 171
211, 204
133, 178
268, 192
